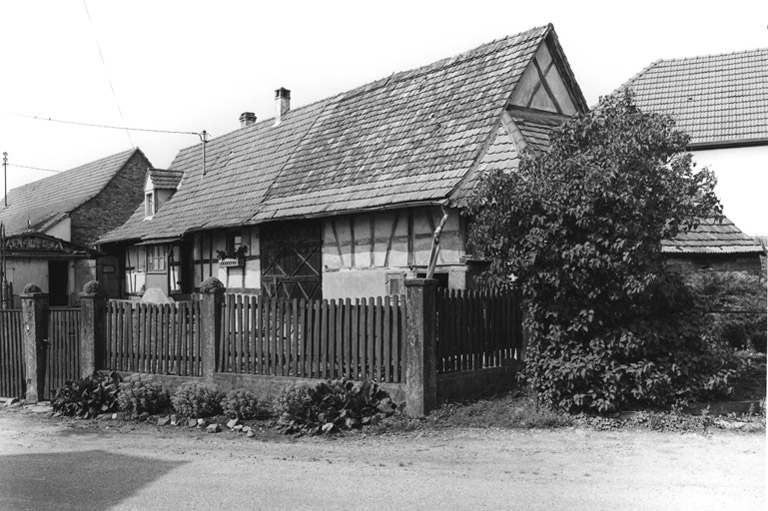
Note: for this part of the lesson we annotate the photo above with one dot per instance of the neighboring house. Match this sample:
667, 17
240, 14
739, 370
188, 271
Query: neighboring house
341, 198
721, 101
51, 225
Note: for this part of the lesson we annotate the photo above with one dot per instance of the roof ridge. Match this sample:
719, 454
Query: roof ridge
756, 51
128, 153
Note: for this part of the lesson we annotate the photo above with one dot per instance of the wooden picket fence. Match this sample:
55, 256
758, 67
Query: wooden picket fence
154, 338
355, 339
12, 379
477, 330
63, 357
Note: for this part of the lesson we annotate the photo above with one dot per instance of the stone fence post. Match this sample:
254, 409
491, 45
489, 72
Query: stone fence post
93, 318
421, 346
34, 304
212, 298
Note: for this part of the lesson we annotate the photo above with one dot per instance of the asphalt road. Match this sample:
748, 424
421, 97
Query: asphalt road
69, 465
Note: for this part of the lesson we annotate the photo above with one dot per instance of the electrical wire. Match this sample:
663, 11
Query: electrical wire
106, 72
106, 126
33, 168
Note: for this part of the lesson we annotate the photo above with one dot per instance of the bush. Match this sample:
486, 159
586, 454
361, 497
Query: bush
141, 394
331, 406
736, 306
197, 400
243, 404
88, 397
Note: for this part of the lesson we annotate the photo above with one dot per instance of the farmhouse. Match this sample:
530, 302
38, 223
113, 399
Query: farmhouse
50, 226
344, 196
721, 101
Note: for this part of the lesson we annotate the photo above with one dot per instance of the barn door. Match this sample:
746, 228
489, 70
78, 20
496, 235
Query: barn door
291, 260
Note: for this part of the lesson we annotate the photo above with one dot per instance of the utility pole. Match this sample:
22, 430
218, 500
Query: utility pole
5, 176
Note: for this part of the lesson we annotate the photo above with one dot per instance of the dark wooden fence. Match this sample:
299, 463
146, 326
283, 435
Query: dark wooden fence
355, 339
477, 330
153, 338
63, 357
12, 354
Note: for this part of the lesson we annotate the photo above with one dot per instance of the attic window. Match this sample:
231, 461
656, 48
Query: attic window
149, 204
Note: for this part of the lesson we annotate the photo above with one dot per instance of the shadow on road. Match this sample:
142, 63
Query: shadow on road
87, 480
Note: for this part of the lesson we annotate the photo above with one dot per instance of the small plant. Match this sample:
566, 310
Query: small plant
88, 397
141, 394
197, 400
242, 404
331, 406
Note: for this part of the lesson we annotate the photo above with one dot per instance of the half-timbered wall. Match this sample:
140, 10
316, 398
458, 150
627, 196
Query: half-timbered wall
369, 254
206, 262
542, 86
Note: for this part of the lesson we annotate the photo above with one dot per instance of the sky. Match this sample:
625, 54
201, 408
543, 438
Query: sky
190, 66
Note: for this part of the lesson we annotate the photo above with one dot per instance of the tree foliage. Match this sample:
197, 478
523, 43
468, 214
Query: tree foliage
581, 229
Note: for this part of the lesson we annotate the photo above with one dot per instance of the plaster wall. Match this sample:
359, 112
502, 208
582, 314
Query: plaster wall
62, 230
742, 184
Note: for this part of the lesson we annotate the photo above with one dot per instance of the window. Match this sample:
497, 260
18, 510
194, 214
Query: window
156, 255
149, 204
235, 241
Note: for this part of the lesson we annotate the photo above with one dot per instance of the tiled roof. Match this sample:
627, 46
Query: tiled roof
713, 237
715, 98
40, 205
165, 179
410, 138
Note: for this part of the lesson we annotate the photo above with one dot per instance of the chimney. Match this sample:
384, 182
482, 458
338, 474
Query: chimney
247, 119
282, 104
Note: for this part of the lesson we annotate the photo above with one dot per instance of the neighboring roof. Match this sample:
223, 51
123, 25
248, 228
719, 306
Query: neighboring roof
713, 237
717, 99
165, 179
410, 138
40, 205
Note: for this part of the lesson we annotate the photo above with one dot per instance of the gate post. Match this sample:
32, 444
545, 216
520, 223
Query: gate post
421, 346
34, 304
93, 317
212, 297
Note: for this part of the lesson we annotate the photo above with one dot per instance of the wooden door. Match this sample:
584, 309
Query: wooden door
291, 259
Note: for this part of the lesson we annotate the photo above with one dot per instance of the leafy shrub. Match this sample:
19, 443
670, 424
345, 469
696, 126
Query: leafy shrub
197, 400
141, 394
581, 227
736, 306
331, 406
88, 397
242, 404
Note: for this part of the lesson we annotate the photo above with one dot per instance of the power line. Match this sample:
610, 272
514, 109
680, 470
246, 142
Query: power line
106, 72
106, 126
33, 168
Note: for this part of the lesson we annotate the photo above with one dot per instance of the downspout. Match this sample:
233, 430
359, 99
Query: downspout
435, 249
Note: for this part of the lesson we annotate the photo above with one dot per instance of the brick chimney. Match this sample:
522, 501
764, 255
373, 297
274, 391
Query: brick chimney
247, 119
282, 104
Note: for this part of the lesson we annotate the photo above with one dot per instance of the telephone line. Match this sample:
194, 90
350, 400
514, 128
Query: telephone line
105, 126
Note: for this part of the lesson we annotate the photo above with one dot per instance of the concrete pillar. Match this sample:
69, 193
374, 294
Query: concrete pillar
34, 304
93, 319
211, 300
421, 347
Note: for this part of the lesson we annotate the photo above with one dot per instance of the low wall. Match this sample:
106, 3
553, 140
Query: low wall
463, 385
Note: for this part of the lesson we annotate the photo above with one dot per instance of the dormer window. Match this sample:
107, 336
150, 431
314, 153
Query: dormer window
149, 204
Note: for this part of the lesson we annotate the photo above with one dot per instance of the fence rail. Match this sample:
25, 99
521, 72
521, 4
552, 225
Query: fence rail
63, 358
12, 354
154, 338
355, 339
477, 330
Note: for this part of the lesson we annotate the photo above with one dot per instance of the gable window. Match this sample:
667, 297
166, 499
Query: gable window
149, 204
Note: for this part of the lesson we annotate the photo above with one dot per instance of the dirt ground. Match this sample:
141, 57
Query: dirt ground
48, 463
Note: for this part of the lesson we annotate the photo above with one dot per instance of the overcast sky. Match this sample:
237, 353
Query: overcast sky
193, 66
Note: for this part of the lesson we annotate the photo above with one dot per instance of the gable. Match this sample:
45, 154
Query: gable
547, 83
